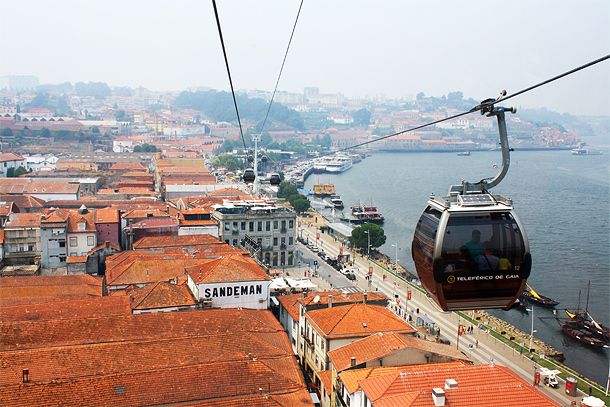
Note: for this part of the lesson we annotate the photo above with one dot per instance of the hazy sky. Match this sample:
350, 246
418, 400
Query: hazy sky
396, 48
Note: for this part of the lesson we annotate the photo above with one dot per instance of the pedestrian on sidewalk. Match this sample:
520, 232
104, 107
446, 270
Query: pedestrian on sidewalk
477, 343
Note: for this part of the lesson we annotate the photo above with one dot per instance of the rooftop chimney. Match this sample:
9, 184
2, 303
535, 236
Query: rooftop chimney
438, 395
365, 297
353, 361
330, 301
451, 384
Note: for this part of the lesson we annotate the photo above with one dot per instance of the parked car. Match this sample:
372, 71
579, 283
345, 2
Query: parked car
314, 249
350, 276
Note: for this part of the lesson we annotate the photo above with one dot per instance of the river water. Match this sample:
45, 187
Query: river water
563, 201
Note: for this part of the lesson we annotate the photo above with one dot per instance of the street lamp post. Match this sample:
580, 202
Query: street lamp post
396, 258
532, 332
368, 247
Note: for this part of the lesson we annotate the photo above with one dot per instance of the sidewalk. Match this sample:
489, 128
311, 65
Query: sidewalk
479, 346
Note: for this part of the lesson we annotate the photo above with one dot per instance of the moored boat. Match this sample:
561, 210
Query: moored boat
585, 321
336, 201
572, 329
464, 153
533, 296
364, 214
321, 190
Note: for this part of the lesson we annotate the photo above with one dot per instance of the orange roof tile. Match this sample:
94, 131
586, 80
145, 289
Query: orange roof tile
79, 308
488, 384
356, 320
151, 242
227, 269
23, 220
161, 295
383, 344
107, 215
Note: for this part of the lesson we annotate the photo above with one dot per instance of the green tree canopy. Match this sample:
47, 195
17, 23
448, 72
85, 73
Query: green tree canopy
227, 161
145, 148
7, 132
360, 237
300, 204
362, 117
98, 90
286, 190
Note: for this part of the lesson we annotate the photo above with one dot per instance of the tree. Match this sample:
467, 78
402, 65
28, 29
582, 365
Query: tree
227, 161
7, 132
361, 239
19, 172
455, 96
301, 205
286, 190
120, 116
420, 96
46, 133
362, 117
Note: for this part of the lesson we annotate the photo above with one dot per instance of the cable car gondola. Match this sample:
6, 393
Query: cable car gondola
275, 179
249, 176
470, 249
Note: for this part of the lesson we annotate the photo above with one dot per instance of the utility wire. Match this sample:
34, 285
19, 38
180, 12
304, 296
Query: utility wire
282, 67
224, 52
482, 107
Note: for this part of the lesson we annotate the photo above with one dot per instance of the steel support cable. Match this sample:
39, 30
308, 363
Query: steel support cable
482, 106
282, 67
224, 52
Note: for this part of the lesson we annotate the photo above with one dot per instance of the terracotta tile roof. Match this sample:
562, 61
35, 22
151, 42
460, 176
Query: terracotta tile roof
146, 270
125, 328
24, 202
151, 242
45, 287
133, 166
106, 243
107, 215
491, 385
325, 377
292, 303
342, 298
379, 345
75, 218
232, 192
161, 295
7, 207
182, 170
137, 174
350, 378
55, 216
227, 269
296, 398
76, 259
23, 220
144, 213
80, 308
155, 223
356, 320
10, 157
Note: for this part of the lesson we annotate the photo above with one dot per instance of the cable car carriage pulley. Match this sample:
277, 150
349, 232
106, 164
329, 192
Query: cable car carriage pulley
469, 248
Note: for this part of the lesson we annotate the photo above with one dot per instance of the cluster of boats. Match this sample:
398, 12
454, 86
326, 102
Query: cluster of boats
580, 325
583, 149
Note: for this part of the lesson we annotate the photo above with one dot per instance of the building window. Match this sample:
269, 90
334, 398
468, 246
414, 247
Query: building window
290, 224
275, 241
90, 241
290, 258
234, 243
283, 224
275, 224
275, 258
251, 226
235, 227
62, 243
268, 226
62, 258
227, 242
290, 241
73, 242
260, 226
243, 226
227, 226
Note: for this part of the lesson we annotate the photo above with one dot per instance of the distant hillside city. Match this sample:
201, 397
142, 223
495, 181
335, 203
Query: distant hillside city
92, 116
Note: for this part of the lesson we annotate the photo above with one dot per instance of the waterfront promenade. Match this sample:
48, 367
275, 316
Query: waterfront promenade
481, 346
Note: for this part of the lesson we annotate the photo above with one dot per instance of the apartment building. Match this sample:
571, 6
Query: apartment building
268, 231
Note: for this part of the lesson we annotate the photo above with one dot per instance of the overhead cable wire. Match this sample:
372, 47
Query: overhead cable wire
282, 67
485, 104
224, 52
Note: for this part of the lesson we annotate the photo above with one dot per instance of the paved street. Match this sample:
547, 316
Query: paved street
489, 349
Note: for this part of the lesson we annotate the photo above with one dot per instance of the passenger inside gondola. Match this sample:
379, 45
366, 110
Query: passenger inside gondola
474, 244
487, 260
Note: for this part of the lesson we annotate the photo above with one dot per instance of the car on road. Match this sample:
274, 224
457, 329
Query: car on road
350, 276
314, 249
